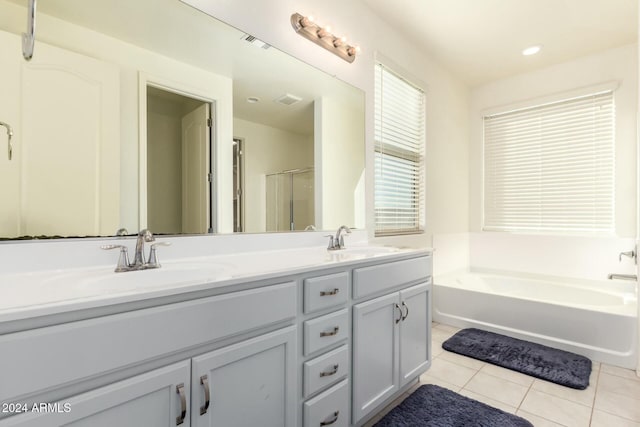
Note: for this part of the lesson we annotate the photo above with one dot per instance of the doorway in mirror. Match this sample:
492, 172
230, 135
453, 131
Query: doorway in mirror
178, 163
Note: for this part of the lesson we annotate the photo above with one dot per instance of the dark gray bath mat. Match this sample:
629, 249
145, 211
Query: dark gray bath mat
434, 406
540, 361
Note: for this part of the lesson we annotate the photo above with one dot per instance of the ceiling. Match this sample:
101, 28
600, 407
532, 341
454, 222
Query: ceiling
481, 40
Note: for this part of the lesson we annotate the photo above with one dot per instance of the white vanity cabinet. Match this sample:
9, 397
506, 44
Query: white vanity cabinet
251, 369
251, 383
327, 403
324, 346
159, 398
391, 333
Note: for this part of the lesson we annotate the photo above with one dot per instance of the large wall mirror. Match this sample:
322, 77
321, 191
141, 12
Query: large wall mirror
149, 113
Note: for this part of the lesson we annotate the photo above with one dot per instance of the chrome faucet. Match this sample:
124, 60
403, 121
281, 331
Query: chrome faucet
139, 262
143, 236
338, 242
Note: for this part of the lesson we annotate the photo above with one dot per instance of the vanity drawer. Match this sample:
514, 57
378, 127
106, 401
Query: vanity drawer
378, 278
330, 408
325, 291
325, 370
325, 330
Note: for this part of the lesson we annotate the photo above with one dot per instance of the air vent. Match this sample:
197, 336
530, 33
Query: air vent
288, 99
255, 41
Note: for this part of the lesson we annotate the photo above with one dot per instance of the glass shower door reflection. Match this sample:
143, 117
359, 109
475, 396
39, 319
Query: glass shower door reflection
290, 200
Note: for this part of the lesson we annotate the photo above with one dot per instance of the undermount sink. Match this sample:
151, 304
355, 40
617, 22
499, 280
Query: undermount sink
173, 273
359, 252
88, 283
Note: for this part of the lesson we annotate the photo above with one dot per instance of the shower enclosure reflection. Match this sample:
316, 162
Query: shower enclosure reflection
290, 204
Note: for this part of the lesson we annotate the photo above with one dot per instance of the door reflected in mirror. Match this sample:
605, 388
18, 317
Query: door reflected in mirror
178, 165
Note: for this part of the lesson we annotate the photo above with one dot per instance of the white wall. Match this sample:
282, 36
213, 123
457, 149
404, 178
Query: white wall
267, 150
447, 98
573, 256
615, 65
590, 258
339, 152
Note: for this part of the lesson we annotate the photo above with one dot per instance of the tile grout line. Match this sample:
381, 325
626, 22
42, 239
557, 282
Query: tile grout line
595, 394
525, 395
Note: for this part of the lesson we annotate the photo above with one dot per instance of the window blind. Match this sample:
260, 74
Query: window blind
399, 154
550, 168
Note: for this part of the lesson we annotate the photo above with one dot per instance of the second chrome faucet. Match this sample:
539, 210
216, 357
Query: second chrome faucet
139, 263
338, 242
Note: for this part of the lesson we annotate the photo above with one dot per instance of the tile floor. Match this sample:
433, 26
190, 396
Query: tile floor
611, 400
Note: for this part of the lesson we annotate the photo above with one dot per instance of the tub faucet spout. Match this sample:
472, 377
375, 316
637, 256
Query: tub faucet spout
622, 276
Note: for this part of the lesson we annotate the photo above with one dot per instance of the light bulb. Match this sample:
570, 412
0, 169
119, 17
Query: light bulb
323, 32
306, 21
532, 50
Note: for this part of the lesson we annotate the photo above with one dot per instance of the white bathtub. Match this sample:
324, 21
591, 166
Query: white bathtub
597, 319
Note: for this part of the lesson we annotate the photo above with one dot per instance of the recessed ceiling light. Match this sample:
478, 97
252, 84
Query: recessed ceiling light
531, 50
253, 100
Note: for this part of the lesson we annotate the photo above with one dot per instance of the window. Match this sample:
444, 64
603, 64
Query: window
550, 168
399, 154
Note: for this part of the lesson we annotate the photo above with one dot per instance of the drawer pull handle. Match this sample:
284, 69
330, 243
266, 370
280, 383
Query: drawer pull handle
330, 334
207, 394
183, 404
400, 310
331, 372
329, 293
406, 314
331, 421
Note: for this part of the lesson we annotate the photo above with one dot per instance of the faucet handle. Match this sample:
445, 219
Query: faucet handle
152, 262
631, 254
331, 244
123, 259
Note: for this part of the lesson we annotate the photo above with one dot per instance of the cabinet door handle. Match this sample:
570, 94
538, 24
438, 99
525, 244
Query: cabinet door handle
330, 334
406, 314
400, 310
207, 394
183, 404
332, 420
331, 372
329, 293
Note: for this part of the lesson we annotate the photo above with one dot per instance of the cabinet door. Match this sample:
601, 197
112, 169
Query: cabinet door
375, 353
414, 331
251, 383
159, 398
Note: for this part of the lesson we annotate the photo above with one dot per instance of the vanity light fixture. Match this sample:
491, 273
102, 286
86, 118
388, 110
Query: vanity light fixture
531, 50
322, 36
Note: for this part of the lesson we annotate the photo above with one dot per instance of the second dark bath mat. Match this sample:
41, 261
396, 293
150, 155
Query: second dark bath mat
547, 363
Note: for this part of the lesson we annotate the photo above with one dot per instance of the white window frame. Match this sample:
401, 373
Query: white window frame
538, 102
406, 151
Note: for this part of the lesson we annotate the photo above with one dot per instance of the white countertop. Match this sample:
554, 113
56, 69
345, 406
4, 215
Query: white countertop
42, 293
